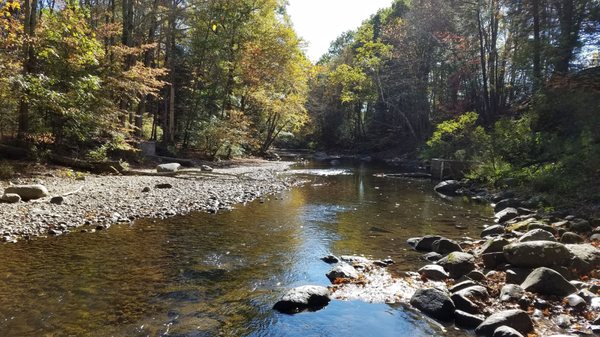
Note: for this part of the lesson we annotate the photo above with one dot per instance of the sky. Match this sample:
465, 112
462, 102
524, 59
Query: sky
319, 22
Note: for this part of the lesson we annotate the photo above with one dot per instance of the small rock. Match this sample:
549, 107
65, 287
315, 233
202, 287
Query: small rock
163, 186
517, 275
462, 285
506, 203
506, 331
494, 245
10, 198
537, 235
475, 292
445, 246
464, 304
426, 243
476, 275
570, 237
330, 259
546, 281
434, 303
540, 225
432, 256
342, 271
576, 302
458, 264
506, 214
563, 321
303, 298
434, 272
146, 189
493, 260
515, 318
448, 187
466, 320
511, 293
580, 226
206, 168
493, 231
57, 200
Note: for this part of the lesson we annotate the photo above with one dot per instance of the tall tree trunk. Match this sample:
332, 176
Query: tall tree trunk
29, 63
537, 46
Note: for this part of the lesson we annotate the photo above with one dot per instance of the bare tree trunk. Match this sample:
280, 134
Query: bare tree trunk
29, 64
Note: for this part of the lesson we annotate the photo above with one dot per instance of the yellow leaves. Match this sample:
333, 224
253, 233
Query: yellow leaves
15, 5
214, 27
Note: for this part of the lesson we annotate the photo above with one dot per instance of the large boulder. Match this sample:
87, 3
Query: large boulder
28, 192
434, 303
303, 298
533, 254
448, 187
342, 271
516, 319
170, 167
586, 257
546, 281
537, 235
458, 264
580, 226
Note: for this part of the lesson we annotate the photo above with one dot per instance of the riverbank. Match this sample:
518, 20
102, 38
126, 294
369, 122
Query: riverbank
95, 202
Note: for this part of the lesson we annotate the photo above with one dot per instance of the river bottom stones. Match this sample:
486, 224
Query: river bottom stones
302, 298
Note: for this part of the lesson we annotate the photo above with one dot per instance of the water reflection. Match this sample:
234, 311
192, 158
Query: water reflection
209, 275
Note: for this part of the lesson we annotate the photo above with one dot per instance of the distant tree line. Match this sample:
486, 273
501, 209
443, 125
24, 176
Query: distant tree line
415, 64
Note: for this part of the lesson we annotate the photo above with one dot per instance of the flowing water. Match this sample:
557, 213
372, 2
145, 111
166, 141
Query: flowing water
219, 275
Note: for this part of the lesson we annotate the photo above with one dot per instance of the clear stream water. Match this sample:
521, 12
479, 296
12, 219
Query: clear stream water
219, 275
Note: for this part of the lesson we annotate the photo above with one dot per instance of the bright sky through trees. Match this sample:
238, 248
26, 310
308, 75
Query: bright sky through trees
319, 22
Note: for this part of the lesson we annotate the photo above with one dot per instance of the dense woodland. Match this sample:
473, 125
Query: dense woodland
220, 77
512, 85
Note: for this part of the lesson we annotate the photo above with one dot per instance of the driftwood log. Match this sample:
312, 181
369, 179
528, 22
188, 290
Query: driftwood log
92, 166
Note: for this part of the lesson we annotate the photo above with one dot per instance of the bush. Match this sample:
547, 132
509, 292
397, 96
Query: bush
459, 139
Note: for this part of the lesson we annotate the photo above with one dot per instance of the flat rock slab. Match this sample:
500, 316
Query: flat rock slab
28, 192
534, 254
303, 298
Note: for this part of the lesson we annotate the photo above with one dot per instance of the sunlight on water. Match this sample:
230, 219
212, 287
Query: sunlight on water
219, 275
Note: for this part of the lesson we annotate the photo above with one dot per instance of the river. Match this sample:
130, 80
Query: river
220, 274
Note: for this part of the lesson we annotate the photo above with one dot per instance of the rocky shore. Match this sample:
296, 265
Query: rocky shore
94, 202
529, 274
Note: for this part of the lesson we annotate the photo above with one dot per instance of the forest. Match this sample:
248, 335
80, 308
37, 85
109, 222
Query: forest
509, 84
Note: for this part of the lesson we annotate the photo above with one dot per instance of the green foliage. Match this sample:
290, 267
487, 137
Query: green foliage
117, 142
460, 138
